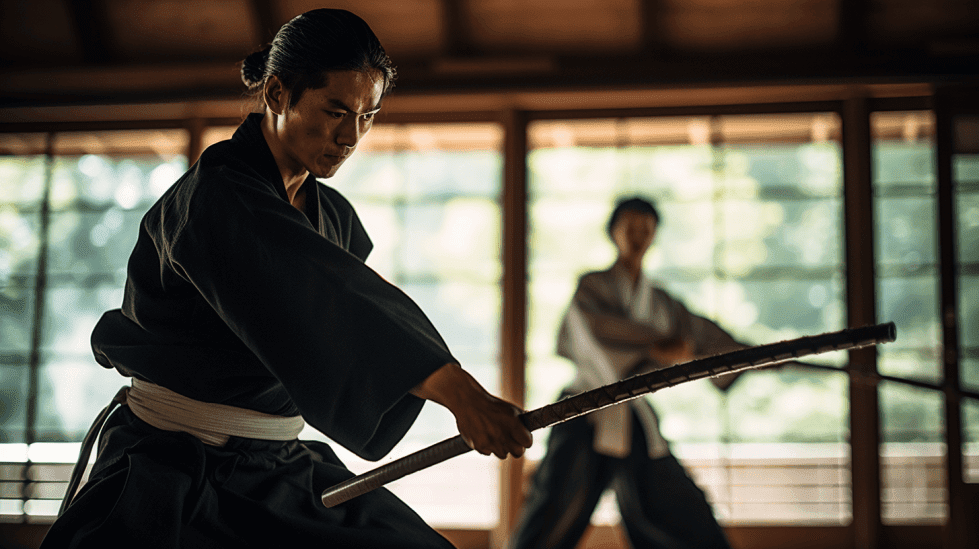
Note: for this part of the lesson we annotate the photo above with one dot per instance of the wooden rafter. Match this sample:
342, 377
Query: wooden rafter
852, 25
652, 14
94, 32
267, 21
455, 20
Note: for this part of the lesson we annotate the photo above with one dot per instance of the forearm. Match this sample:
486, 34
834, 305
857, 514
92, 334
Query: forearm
450, 386
488, 424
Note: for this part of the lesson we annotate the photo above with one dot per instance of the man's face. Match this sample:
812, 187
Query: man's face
325, 126
633, 234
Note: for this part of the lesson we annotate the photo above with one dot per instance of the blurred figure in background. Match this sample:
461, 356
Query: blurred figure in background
619, 324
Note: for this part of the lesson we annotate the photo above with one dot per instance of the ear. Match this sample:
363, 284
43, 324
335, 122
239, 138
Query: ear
276, 96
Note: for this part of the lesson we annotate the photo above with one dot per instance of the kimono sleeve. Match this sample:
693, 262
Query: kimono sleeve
597, 364
346, 345
596, 320
709, 339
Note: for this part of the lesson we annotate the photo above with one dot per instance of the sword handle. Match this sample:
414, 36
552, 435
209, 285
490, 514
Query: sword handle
622, 391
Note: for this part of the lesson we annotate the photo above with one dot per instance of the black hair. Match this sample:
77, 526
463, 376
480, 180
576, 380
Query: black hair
314, 43
631, 204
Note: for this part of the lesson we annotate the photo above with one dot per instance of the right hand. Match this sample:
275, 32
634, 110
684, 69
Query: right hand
488, 424
673, 351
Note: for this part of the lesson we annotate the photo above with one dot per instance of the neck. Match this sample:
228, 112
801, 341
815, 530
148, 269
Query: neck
631, 265
293, 174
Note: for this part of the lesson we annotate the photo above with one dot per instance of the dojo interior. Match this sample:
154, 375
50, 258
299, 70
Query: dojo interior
816, 163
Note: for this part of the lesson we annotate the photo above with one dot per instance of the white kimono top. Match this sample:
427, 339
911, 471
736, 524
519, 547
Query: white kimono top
607, 332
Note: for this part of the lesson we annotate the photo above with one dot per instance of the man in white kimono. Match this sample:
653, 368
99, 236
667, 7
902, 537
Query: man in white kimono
619, 324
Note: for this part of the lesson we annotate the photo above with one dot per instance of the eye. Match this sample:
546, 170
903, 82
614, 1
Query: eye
369, 117
336, 114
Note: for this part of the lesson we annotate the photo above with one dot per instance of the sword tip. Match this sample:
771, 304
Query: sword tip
890, 331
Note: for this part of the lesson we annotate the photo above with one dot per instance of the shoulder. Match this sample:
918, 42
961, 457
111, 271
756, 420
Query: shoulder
216, 184
596, 285
224, 161
222, 171
657, 290
595, 278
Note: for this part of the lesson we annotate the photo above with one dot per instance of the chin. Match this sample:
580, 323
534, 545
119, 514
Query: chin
325, 173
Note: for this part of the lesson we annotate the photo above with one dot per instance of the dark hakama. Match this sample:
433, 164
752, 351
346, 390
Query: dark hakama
235, 297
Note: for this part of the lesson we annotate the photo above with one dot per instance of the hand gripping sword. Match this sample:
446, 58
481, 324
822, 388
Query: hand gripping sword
622, 391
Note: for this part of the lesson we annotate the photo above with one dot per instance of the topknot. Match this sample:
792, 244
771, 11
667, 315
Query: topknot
253, 67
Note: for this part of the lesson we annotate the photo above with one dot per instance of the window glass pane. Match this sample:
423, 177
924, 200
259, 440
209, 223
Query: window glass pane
73, 389
70, 314
970, 442
968, 290
464, 313
20, 200
89, 246
16, 319
911, 303
900, 160
906, 244
966, 188
748, 225
101, 182
99, 200
13, 404
912, 455
967, 212
905, 219
428, 195
19, 238
22, 178
454, 238
435, 173
970, 371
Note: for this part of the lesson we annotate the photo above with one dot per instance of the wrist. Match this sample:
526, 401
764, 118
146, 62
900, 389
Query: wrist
450, 386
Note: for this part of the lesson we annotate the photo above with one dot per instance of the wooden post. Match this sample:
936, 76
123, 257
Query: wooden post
959, 512
860, 289
514, 330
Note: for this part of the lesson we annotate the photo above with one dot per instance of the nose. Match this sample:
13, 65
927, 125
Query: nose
351, 130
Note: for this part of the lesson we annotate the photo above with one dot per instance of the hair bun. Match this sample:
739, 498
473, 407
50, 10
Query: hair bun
253, 67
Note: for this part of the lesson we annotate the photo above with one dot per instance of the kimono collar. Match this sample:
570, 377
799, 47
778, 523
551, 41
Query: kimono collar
635, 299
249, 138
255, 150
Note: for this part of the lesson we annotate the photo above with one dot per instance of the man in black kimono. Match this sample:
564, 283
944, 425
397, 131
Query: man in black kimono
248, 308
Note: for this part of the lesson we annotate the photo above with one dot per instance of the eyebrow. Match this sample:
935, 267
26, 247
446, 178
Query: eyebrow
340, 105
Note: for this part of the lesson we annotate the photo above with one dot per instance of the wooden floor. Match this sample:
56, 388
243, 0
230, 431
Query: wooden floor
28, 536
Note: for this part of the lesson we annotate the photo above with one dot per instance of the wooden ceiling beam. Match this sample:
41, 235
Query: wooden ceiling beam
853, 25
147, 83
652, 33
267, 21
456, 26
90, 19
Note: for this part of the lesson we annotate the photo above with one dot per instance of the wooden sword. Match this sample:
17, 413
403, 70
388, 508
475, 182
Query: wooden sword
619, 392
